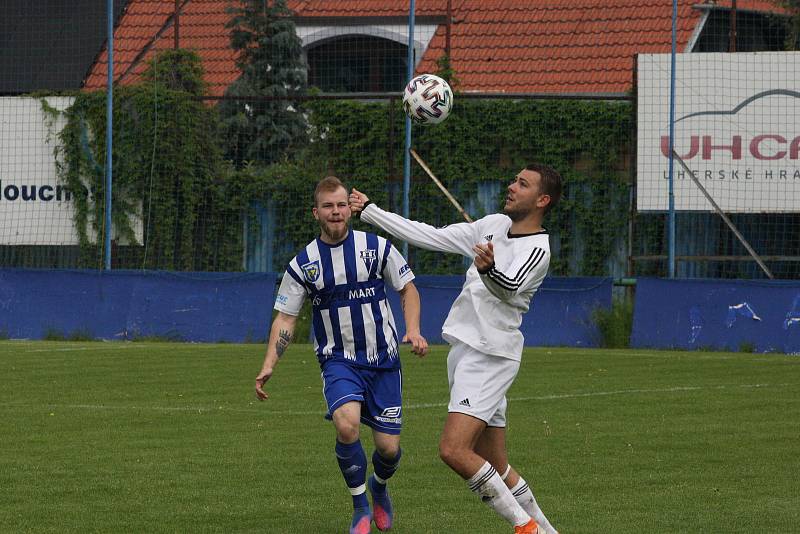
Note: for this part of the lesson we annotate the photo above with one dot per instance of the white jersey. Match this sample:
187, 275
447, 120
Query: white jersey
352, 319
487, 313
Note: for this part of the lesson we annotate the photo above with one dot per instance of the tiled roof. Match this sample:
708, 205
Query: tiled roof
514, 46
147, 27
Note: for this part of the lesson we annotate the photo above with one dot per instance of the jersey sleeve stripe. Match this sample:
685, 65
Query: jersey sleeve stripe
503, 280
533, 260
517, 283
522, 268
504, 285
386, 250
294, 275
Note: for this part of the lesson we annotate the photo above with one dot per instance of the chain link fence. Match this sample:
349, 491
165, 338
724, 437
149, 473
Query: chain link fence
226, 115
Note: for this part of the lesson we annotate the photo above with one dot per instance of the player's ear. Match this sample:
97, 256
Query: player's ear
543, 201
314, 212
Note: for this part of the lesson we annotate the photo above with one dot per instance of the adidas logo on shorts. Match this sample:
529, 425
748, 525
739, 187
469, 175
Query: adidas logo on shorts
465, 402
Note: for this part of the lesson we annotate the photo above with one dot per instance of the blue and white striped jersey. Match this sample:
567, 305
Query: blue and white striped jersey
352, 319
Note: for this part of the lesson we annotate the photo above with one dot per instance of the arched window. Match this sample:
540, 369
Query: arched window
357, 63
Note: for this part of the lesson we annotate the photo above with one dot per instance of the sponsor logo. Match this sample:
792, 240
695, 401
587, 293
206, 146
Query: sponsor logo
763, 147
368, 256
404, 269
742, 145
390, 415
281, 299
364, 292
42, 192
488, 237
311, 271
394, 411
465, 402
352, 469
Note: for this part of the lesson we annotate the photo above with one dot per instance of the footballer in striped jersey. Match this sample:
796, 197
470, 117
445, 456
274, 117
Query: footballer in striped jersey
346, 275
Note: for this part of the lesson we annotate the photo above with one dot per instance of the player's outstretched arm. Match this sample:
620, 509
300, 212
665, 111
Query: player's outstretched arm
456, 238
280, 335
409, 300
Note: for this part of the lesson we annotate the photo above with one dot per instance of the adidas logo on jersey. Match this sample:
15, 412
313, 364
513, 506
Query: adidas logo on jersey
465, 402
488, 237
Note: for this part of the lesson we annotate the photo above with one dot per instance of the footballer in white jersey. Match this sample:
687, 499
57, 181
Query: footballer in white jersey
511, 255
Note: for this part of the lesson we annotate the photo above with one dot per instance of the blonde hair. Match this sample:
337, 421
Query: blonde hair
327, 185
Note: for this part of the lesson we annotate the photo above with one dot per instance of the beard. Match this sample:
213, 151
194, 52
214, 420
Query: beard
515, 214
336, 233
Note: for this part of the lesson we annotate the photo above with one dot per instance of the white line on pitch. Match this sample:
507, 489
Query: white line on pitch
267, 411
69, 349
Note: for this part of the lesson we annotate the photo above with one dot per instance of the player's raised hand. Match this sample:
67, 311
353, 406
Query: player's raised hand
357, 201
261, 379
419, 345
484, 256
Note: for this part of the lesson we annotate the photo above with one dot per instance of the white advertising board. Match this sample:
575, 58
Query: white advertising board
35, 208
736, 127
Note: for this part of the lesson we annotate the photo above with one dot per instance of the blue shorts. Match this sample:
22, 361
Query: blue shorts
378, 391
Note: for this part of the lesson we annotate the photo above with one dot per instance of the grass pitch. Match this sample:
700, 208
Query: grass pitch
157, 437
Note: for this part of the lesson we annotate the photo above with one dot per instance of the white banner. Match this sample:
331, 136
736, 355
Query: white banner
35, 208
736, 127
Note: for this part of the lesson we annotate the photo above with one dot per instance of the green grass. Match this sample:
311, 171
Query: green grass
160, 437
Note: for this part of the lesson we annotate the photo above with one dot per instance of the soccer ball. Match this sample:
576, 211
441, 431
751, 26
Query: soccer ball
427, 99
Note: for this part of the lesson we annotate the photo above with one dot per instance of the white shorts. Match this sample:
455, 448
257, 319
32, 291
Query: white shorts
478, 383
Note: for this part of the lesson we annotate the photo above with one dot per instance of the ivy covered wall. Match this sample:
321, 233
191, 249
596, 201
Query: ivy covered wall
171, 178
485, 143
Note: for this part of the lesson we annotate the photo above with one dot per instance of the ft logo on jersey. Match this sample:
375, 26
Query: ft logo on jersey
311, 271
368, 256
390, 415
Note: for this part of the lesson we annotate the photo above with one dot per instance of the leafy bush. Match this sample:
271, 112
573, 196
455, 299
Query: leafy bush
615, 324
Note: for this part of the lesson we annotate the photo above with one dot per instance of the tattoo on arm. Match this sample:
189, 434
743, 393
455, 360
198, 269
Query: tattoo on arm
284, 338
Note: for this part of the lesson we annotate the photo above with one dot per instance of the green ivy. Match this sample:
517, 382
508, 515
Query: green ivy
170, 173
486, 141
166, 163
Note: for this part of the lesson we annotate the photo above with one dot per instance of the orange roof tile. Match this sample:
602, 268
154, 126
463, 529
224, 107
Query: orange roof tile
551, 46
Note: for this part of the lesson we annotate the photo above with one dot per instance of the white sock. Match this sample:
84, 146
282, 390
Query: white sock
488, 485
524, 496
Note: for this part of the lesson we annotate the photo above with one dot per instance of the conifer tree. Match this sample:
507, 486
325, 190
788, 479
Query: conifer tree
270, 58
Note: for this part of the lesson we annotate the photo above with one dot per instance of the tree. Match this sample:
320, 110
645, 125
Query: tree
792, 8
176, 70
270, 58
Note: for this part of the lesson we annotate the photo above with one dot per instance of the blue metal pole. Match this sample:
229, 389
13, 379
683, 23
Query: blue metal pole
109, 128
407, 154
671, 218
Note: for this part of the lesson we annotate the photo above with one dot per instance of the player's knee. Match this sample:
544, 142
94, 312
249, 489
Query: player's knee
449, 452
347, 432
388, 450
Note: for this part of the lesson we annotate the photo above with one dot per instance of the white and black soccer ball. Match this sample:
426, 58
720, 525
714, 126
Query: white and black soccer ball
427, 99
